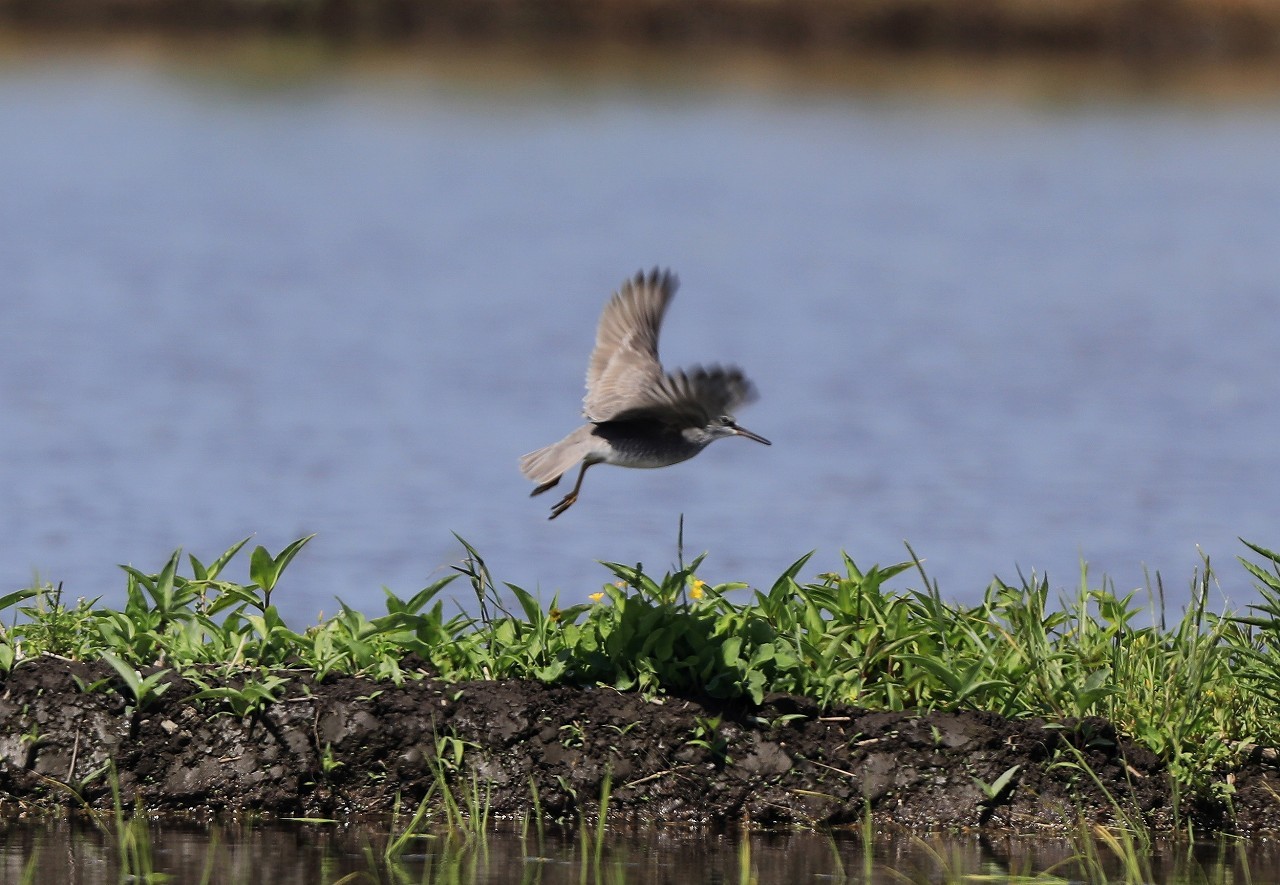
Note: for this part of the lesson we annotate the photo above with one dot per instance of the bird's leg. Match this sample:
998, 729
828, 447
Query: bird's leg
546, 485
567, 501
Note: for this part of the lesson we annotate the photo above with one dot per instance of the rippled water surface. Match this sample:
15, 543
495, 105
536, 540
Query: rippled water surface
326, 854
1014, 318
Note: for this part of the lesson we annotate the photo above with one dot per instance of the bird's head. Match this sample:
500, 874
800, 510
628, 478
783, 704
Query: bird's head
719, 428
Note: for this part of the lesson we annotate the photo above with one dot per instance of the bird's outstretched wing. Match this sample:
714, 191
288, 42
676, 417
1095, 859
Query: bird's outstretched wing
624, 364
693, 397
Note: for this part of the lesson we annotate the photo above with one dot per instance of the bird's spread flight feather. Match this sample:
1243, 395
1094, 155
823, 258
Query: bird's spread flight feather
624, 365
693, 397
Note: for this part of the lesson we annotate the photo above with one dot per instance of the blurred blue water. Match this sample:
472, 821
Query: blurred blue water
1015, 333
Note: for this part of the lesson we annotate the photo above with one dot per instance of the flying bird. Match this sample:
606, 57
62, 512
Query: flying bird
638, 414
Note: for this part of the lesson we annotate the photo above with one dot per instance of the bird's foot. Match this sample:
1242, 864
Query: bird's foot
542, 488
565, 503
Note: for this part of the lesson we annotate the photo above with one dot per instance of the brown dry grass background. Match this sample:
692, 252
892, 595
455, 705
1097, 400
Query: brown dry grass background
1137, 28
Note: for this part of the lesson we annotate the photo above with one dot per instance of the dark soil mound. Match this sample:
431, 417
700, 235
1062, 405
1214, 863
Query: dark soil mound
347, 745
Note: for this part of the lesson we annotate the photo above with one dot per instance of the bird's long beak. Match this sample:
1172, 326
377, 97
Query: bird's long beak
742, 431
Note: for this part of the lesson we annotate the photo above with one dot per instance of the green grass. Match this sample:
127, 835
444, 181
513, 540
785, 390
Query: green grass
1195, 689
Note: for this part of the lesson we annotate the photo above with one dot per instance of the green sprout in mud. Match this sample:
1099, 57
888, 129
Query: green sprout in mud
994, 790
329, 763
450, 750
251, 697
573, 734
708, 735
142, 691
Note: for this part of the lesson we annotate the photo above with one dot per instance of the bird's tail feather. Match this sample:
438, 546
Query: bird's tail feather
547, 465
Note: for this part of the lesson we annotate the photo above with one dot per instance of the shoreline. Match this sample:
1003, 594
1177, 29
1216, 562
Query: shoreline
347, 745
1130, 29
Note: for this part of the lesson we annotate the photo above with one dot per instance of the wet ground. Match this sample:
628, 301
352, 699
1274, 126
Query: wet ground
347, 746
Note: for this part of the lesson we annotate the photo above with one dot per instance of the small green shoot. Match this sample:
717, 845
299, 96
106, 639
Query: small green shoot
992, 791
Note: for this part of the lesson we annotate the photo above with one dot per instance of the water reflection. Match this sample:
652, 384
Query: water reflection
1015, 318
74, 853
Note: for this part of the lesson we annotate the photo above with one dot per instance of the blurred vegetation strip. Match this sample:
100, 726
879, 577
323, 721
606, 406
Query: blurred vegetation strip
1138, 28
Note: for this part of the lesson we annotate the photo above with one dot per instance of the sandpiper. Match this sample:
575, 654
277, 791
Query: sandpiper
641, 416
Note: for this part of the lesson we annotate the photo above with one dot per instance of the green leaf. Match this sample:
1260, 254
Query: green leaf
1095, 689
993, 790
532, 610
265, 570
17, 596
218, 564
130, 676
261, 568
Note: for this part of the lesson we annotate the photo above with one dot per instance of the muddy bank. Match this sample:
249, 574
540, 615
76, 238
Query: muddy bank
348, 745
1143, 28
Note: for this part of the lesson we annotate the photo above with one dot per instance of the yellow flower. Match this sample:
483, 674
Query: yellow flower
596, 597
697, 588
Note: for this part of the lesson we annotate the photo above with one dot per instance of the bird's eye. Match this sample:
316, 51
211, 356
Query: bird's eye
726, 420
